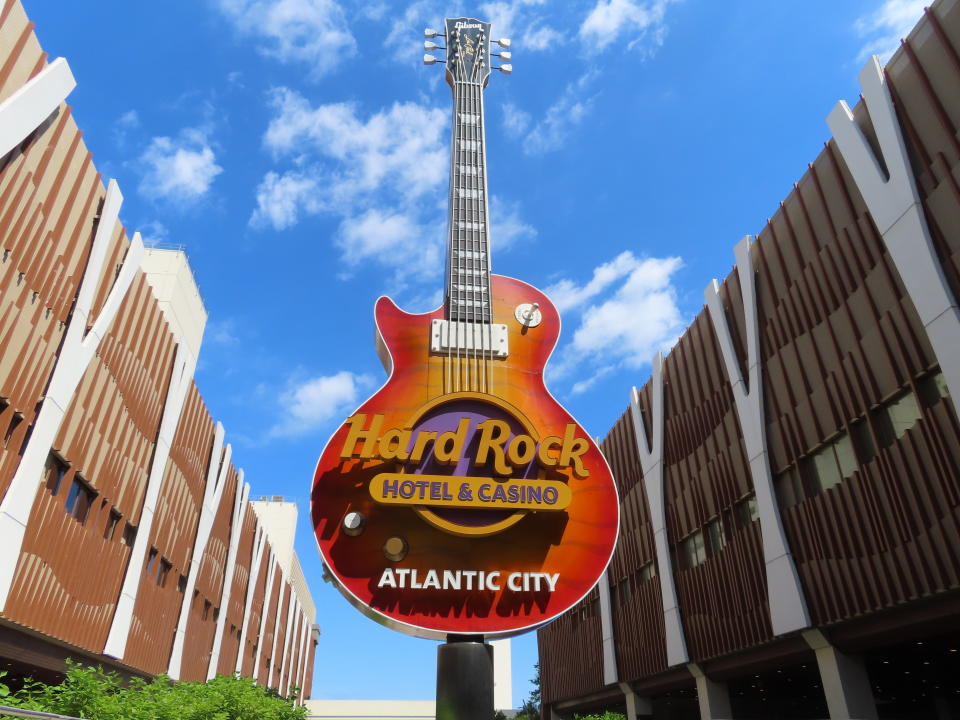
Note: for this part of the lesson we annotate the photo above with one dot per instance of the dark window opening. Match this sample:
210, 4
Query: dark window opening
896, 416
54, 471
15, 421
163, 572
182, 584
206, 610
718, 540
129, 535
747, 510
111, 527
79, 500
151, 559
694, 550
931, 389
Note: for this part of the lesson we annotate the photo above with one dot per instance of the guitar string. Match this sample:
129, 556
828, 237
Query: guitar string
475, 150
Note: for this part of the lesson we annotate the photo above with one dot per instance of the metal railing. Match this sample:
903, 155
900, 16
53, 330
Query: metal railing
21, 713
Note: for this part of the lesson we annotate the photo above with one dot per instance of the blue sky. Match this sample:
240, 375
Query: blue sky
298, 150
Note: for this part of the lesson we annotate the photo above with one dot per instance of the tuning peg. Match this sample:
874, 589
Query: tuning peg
503, 42
430, 60
430, 46
430, 33
502, 55
505, 69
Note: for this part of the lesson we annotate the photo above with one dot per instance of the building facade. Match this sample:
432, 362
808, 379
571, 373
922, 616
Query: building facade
127, 537
790, 474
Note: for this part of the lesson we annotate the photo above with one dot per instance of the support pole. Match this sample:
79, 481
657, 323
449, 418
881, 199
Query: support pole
465, 679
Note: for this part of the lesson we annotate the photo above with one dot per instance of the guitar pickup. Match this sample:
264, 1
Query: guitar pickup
448, 336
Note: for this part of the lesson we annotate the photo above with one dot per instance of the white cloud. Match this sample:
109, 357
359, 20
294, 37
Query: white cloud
153, 233
627, 312
580, 387
180, 168
124, 125
403, 148
311, 32
515, 121
884, 28
567, 295
552, 130
609, 19
543, 37
281, 198
315, 401
382, 174
506, 226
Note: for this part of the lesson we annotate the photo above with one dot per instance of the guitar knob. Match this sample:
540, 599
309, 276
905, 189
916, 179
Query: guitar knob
395, 549
354, 523
528, 314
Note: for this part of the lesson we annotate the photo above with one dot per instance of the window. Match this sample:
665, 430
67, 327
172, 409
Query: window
694, 552
182, 584
15, 421
151, 559
113, 519
163, 572
715, 534
129, 535
897, 416
648, 572
863, 440
789, 488
54, 471
747, 510
932, 388
79, 500
206, 609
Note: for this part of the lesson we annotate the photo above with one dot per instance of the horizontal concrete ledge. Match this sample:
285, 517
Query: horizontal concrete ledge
30, 648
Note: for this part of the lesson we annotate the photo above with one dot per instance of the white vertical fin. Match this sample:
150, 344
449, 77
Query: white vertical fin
276, 626
76, 352
898, 213
212, 493
25, 110
651, 462
273, 565
181, 376
256, 555
291, 615
788, 608
606, 630
236, 530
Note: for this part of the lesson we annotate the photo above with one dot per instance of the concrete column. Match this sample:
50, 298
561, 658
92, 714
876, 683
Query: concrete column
25, 110
651, 463
788, 607
212, 494
236, 530
77, 349
273, 565
893, 201
256, 555
712, 696
637, 706
606, 631
844, 679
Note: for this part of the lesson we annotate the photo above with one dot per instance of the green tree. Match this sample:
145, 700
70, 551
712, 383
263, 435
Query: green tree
94, 693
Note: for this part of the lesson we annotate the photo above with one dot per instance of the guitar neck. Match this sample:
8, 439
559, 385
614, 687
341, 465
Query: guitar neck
468, 247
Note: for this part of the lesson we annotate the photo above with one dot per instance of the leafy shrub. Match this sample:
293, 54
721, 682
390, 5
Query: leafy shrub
99, 695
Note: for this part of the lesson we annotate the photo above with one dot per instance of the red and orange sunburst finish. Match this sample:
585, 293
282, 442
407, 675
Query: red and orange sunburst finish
576, 543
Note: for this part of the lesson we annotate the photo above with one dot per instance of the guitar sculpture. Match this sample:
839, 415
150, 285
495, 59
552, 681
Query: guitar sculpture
461, 498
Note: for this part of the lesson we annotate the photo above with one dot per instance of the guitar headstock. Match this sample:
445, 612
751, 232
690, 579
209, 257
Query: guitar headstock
468, 50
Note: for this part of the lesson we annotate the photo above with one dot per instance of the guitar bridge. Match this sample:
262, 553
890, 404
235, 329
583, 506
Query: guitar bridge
448, 336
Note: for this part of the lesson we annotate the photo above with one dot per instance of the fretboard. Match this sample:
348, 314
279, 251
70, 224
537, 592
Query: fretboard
468, 249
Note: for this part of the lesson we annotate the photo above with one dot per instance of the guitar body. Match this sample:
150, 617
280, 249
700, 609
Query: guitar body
527, 549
